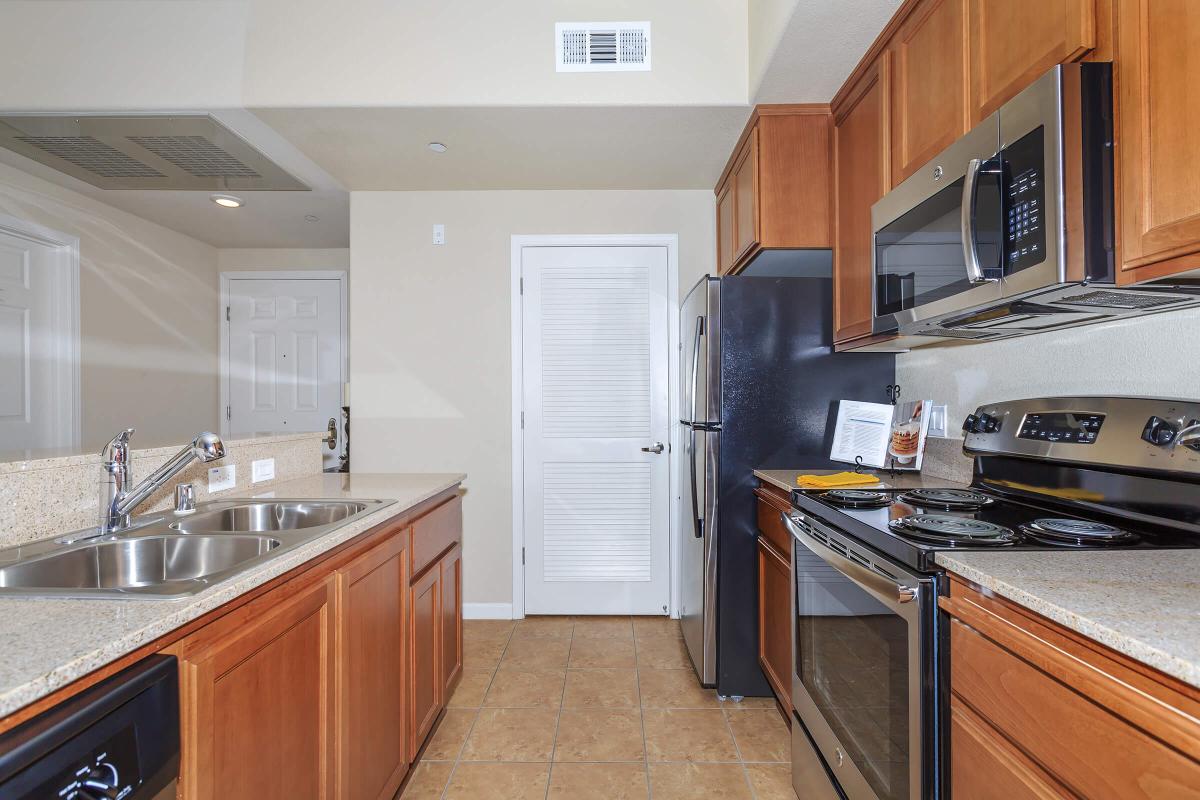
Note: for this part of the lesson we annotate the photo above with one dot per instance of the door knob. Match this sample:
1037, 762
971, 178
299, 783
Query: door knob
656, 449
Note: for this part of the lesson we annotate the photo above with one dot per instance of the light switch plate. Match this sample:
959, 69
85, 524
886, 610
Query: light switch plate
439, 234
221, 479
262, 470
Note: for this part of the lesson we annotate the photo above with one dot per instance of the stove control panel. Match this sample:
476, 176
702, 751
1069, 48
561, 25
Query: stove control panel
1127, 432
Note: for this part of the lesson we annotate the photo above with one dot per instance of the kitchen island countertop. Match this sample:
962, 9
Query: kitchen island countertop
48, 643
1142, 603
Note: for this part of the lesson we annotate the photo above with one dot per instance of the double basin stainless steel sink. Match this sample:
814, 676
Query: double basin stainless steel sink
162, 556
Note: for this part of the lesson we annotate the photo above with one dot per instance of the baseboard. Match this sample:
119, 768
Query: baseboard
487, 610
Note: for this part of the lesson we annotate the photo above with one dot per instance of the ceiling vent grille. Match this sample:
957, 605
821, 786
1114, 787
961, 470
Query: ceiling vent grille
602, 46
197, 155
88, 152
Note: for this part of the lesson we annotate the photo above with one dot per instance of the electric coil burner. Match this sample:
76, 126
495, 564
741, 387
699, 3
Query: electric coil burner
1076, 533
952, 531
947, 499
856, 498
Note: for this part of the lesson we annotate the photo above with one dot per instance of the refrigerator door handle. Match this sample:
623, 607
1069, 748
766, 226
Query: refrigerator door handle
696, 364
697, 522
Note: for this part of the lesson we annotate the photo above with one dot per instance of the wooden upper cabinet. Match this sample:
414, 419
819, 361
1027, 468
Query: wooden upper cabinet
1013, 42
372, 690
1158, 140
775, 190
929, 86
861, 170
725, 241
745, 204
258, 701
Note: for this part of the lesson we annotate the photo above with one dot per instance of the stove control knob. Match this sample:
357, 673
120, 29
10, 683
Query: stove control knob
969, 423
988, 424
1158, 432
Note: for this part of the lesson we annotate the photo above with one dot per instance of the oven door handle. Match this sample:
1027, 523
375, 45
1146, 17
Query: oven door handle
888, 590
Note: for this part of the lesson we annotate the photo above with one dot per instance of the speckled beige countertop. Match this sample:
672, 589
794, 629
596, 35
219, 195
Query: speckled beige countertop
785, 479
1145, 604
46, 644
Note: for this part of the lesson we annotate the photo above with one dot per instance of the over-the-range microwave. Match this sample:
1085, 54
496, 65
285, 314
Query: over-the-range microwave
1009, 231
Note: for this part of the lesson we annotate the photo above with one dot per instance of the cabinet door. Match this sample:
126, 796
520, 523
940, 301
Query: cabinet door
425, 676
1158, 76
745, 197
862, 166
1014, 42
373, 722
451, 621
725, 241
258, 704
929, 103
986, 766
775, 620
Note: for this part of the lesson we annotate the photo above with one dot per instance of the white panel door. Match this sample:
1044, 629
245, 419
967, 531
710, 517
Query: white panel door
596, 494
37, 371
285, 356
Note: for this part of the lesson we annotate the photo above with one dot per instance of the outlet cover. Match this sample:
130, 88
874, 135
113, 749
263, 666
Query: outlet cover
937, 421
222, 479
262, 470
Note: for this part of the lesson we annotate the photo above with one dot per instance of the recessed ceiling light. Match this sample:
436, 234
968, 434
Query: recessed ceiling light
311, 218
227, 200
437, 147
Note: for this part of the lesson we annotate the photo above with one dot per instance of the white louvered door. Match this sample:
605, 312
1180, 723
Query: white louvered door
597, 519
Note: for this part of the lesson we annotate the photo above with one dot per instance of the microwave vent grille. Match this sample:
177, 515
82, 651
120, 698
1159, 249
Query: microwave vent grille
1124, 300
953, 333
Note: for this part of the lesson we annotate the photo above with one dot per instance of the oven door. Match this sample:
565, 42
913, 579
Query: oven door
864, 681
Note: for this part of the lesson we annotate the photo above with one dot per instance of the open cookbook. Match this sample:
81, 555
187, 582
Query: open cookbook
881, 434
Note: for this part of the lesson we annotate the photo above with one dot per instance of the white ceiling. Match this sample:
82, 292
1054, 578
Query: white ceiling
577, 147
819, 47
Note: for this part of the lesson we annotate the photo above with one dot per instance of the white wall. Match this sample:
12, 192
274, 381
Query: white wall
1151, 356
262, 258
148, 314
430, 333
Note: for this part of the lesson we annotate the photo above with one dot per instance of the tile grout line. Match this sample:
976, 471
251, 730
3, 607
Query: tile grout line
637, 675
478, 712
558, 718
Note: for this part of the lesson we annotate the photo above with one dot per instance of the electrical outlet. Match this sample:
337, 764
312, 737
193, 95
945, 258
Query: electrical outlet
222, 479
439, 234
262, 470
937, 421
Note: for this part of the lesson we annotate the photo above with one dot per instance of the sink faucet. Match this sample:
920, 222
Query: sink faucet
117, 500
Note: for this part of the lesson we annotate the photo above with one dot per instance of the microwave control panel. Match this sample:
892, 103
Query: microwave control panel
1025, 202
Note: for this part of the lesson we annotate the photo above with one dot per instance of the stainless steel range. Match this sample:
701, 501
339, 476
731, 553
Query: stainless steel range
1067, 473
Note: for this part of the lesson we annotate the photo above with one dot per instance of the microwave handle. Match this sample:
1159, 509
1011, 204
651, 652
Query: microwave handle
967, 222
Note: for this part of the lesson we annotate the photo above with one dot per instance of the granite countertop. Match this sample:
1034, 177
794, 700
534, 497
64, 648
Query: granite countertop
49, 643
785, 479
1145, 604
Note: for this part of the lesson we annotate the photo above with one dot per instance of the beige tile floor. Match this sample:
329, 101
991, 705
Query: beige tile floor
596, 708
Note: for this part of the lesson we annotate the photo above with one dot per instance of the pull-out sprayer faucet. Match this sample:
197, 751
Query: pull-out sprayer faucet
117, 500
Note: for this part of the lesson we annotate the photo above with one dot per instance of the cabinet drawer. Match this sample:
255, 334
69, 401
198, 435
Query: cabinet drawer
771, 528
434, 534
1091, 750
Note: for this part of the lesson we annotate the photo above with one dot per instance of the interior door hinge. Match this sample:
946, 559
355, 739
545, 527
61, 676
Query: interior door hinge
522, 287
522, 556
522, 420
228, 412
227, 313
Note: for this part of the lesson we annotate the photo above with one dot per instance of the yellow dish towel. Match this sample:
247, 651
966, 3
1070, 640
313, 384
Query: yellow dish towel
835, 480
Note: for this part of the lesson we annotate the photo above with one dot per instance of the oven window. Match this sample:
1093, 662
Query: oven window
919, 257
852, 659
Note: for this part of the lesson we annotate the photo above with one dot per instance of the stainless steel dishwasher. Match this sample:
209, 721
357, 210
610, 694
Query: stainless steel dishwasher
118, 740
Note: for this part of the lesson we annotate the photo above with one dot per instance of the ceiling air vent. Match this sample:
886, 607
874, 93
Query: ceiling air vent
602, 46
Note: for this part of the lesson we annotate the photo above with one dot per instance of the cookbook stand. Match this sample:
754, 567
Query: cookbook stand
892, 390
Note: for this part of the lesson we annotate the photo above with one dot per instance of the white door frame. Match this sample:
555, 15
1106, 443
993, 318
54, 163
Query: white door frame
339, 275
519, 241
69, 348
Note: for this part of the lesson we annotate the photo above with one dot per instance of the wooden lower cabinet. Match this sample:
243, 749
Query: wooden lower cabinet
775, 594
257, 703
373, 752
1038, 711
326, 686
451, 621
425, 678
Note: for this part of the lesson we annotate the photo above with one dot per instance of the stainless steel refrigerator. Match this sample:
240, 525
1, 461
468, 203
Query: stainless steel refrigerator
760, 386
